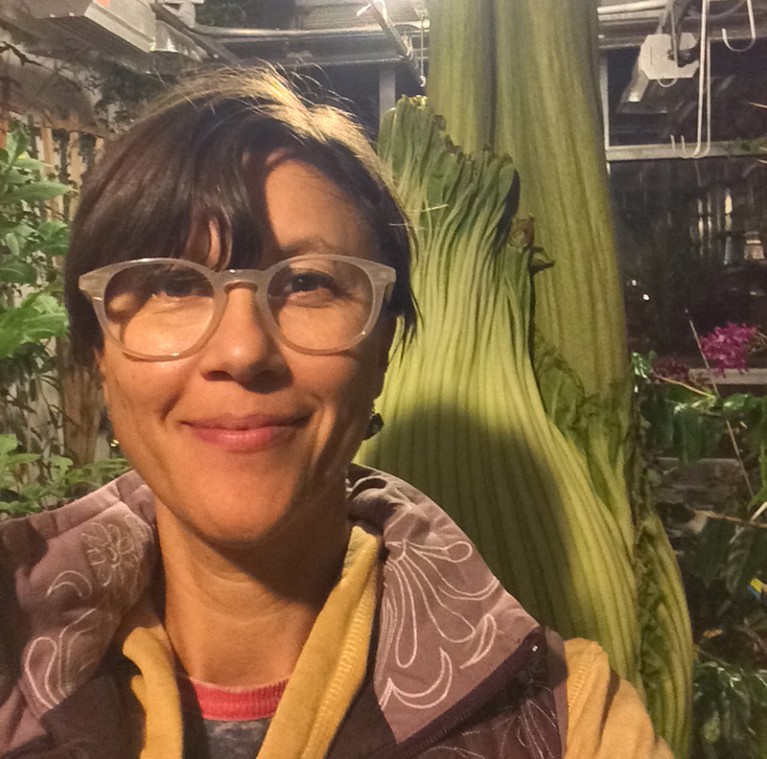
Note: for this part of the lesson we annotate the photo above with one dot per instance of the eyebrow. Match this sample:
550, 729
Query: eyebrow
312, 245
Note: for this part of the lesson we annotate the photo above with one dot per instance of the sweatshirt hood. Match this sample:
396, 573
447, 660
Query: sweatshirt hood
69, 576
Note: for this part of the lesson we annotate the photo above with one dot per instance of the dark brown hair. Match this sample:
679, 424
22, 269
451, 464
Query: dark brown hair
182, 163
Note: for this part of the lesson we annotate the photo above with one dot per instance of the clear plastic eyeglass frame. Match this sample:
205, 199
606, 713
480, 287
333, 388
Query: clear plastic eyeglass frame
94, 285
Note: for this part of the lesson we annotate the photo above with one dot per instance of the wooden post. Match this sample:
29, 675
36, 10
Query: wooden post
81, 403
80, 389
5, 105
50, 158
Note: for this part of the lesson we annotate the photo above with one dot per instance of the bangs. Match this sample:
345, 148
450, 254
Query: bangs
222, 237
179, 184
222, 220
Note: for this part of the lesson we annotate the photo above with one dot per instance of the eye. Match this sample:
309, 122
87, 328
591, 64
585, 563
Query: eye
305, 287
178, 284
309, 281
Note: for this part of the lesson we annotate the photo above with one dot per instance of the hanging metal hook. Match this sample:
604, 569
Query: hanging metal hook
709, 104
752, 25
704, 94
666, 83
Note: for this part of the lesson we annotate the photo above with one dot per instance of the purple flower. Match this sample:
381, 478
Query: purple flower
728, 347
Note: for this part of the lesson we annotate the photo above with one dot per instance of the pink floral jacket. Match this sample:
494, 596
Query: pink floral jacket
458, 667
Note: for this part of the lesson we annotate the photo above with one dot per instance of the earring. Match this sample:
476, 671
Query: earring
375, 425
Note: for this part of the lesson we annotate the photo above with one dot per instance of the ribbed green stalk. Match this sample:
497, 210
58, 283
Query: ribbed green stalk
520, 77
538, 102
467, 424
665, 658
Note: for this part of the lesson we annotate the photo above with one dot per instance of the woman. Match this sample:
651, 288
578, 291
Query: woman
237, 269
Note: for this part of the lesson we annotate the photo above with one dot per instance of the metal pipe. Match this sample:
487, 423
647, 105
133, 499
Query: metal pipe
622, 8
236, 35
658, 152
324, 62
285, 35
405, 52
375, 36
281, 35
652, 5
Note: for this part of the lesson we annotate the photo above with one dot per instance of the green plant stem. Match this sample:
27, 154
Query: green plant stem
727, 518
691, 388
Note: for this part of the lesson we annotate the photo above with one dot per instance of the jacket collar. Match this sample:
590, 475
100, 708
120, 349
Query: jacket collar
67, 578
446, 623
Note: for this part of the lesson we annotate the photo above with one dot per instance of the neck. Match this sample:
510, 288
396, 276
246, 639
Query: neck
240, 616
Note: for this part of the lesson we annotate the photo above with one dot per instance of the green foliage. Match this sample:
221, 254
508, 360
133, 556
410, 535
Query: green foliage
544, 458
37, 318
123, 93
30, 279
63, 481
731, 629
731, 709
492, 93
691, 422
34, 473
720, 549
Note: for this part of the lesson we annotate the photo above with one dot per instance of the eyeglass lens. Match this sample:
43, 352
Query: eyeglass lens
161, 309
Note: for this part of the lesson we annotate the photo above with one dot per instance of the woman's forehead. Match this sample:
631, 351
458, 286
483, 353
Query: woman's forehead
293, 207
306, 209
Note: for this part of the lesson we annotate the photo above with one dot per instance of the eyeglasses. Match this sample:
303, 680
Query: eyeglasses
167, 308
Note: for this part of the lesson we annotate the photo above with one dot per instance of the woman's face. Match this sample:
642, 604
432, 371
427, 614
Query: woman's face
248, 436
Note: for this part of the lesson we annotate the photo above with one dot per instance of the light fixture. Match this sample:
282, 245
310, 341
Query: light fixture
754, 250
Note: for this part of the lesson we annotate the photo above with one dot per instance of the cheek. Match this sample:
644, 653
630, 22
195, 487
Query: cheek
137, 394
349, 396
344, 394
341, 425
362, 383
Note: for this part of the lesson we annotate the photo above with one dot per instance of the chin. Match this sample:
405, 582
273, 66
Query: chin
234, 529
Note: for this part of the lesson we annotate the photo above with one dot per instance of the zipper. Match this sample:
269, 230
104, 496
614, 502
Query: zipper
482, 694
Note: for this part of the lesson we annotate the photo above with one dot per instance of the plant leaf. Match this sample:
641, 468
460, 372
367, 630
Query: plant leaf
39, 317
8, 443
17, 272
44, 190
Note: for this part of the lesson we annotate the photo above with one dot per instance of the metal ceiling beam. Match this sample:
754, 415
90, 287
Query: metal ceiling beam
619, 29
282, 35
620, 9
325, 61
657, 152
405, 51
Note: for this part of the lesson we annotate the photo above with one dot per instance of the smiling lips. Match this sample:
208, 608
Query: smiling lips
246, 434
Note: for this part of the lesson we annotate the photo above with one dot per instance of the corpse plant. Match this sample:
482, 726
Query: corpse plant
513, 408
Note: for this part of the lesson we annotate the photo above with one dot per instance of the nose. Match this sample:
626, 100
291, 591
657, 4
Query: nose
242, 347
